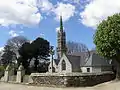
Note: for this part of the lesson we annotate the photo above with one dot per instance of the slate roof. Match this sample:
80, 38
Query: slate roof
83, 56
90, 58
73, 59
96, 60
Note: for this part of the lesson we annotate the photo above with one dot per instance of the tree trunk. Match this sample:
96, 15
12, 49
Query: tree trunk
117, 70
36, 64
29, 61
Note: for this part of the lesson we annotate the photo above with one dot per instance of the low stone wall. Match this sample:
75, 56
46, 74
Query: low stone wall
12, 78
71, 79
25, 79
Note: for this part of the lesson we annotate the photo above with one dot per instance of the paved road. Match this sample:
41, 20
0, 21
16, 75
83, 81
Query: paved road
105, 86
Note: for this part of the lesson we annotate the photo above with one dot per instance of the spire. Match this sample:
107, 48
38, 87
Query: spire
61, 23
61, 40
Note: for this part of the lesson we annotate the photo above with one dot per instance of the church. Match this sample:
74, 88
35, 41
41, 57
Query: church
76, 62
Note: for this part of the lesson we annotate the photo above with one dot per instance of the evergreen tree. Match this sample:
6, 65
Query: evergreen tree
26, 54
8, 56
38, 49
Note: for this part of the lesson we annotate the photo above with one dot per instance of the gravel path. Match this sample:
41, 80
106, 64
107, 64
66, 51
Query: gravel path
106, 86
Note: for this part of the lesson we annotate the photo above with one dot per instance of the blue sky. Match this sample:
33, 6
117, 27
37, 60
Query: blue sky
34, 18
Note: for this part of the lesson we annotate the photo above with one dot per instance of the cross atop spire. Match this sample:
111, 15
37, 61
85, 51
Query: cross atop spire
61, 23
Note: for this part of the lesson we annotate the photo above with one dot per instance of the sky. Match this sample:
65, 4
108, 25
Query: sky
40, 18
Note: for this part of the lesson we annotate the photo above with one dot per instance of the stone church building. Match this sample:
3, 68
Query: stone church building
76, 62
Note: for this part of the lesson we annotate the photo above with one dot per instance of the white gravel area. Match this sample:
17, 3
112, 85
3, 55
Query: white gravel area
113, 85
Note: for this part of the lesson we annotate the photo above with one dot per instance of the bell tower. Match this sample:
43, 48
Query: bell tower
61, 40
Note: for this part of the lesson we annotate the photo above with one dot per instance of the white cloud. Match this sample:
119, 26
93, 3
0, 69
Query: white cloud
13, 33
1, 49
42, 35
19, 12
66, 10
45, 5
21, 32
26, 12
58, 29
97, 10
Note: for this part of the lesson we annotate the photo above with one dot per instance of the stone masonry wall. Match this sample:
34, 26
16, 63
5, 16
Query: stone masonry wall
12, 78
72, 80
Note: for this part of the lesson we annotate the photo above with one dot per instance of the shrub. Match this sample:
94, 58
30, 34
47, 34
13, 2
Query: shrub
2, 68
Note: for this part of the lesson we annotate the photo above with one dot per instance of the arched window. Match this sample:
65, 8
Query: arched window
63, 65
88, 69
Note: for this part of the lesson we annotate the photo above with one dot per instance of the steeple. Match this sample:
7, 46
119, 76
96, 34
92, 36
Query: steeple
61, 24
61, 40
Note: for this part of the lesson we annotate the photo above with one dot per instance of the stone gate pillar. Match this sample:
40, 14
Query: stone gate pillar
7, 73
20, 74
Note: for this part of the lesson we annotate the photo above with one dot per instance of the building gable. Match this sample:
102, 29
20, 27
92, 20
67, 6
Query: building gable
67, 64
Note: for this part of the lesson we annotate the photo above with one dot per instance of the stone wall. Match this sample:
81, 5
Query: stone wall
25, 79
71, 79
12, 78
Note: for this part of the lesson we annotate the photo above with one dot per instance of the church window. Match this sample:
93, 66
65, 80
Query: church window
63, 65
53, 70
88, 69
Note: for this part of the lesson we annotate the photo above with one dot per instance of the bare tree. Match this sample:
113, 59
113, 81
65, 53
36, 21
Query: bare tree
76, 48
73, 47
16, 42
93, 48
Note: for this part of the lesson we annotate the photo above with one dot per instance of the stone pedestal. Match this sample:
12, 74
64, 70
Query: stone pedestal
20, 74
6, 76
7, 73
